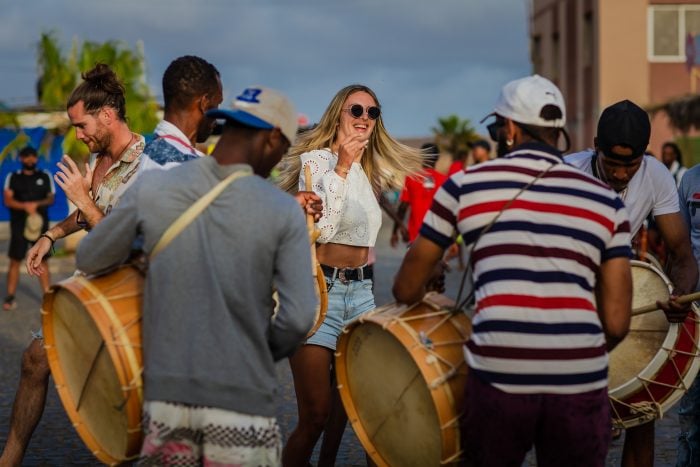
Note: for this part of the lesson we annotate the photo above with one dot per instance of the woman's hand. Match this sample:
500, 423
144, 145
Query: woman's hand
350, 150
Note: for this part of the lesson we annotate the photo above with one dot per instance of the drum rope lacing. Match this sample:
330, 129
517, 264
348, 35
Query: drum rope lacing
422, 340
653, 409
459, 305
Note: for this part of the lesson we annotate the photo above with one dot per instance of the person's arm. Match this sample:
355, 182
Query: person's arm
614, 299
37, 253
681, 266
417, 270
295, 287
11, 202
109, 243
399, 226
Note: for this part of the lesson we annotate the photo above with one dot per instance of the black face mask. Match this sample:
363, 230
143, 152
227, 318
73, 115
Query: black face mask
501, 146
28, 167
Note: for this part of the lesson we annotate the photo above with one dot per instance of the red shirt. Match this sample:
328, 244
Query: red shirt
418, 193
455, 167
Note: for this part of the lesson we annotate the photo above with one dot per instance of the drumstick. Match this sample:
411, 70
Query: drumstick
313, 235
683, 299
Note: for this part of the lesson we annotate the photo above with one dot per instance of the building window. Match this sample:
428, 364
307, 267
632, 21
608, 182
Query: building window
669, 25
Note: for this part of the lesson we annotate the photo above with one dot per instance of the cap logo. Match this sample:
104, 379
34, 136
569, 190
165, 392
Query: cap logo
250, 95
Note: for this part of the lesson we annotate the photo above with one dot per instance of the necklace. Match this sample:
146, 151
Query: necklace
131, 138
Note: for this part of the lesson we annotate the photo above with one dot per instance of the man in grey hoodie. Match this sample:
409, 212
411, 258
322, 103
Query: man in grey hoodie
210, 342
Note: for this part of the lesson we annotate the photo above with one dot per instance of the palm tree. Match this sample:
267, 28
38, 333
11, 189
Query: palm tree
454, 134
59, 74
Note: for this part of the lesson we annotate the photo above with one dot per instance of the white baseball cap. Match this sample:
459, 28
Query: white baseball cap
261, 107
523, 100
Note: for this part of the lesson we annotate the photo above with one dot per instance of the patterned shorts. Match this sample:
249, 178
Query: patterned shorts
186, 435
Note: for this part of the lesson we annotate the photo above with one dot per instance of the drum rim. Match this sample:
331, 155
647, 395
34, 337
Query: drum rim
73, 285
442, 395
321, 287
657, 364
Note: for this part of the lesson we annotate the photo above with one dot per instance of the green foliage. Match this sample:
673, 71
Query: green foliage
60, 73
20, 141
453, 134
57, 74
690, 147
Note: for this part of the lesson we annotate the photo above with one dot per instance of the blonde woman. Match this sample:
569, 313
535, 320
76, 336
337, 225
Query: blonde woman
352, 160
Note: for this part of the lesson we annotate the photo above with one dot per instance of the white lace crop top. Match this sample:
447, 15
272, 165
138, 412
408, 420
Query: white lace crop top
351, 212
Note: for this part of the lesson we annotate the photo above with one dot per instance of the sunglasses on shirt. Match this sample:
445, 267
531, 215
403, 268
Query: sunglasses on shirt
356, 110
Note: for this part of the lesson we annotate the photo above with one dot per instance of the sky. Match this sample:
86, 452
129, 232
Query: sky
424, 59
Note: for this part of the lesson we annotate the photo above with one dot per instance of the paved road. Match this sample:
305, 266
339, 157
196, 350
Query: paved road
56, 444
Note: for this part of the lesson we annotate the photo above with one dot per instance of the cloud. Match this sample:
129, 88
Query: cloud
425, 59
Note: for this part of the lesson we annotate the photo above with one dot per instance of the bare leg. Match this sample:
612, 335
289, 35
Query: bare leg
29, 403
311, 370
335, 427
12, 280
638, 450
45, 278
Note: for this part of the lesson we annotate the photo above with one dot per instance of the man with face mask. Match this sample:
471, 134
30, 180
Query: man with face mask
549, 250
191, 87
645, 186
28, 193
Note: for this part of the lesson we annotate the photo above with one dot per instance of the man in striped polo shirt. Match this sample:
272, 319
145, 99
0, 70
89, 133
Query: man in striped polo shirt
547, 243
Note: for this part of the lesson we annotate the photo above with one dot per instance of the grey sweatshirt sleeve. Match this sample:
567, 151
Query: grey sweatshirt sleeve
110, 242
298, 300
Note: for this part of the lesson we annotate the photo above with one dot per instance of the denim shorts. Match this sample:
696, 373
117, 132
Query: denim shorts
346, 301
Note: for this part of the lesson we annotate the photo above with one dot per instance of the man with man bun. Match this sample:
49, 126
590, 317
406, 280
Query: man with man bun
97, 111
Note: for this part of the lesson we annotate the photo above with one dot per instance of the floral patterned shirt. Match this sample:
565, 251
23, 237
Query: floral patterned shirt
118, 178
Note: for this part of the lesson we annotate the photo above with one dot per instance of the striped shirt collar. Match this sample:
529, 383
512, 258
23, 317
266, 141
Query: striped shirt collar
536, 150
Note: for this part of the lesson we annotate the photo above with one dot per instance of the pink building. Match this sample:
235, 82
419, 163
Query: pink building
602, 51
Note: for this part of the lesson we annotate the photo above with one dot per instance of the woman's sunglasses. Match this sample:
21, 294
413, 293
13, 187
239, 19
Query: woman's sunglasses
356, 110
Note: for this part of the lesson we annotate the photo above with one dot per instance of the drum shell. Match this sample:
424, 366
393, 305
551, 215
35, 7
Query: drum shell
113, 303
670, 371
441, 370
322, 293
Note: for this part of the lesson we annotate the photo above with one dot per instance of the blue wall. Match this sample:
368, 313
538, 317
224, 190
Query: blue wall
48, 162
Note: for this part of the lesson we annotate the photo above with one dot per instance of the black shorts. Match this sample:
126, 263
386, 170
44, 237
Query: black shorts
20, 245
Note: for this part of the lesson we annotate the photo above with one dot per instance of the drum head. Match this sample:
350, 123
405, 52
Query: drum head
647, 331
90, 377
393, 402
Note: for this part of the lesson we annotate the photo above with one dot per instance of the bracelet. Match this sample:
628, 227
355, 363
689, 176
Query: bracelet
45, 235
343, 169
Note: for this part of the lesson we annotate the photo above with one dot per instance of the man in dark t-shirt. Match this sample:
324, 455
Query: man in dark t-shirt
27, 193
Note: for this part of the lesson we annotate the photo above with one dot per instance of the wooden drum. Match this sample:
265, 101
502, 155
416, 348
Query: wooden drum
92, 332
657, 362
401, 376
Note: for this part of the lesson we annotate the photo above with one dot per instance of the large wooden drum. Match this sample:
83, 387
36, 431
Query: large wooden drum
657, 362
92, 332
401, 376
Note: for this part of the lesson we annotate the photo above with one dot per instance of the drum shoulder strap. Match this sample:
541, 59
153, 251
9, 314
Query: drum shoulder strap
195, 210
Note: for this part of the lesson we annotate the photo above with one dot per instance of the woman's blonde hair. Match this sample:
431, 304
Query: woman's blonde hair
385, 161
